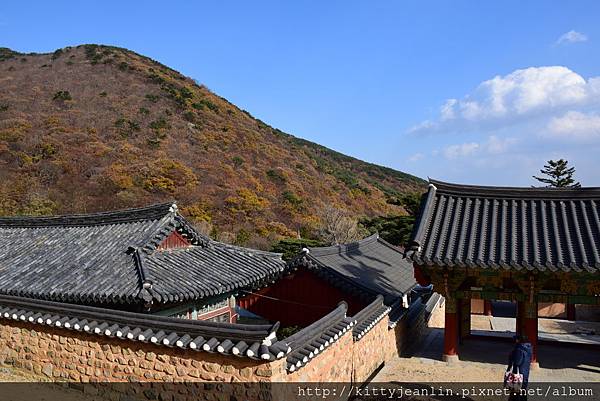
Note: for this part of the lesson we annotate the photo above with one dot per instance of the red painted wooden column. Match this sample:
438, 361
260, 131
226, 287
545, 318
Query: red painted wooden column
487, 308
530, 329
571, 313
451, 331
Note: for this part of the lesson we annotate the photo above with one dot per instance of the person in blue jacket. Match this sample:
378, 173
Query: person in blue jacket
520, 358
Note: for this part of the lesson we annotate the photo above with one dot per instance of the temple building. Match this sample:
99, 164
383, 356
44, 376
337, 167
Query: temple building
525, 245
357, 273
147, 260
146, 276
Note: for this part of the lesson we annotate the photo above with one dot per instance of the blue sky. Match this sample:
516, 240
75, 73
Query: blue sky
466, 91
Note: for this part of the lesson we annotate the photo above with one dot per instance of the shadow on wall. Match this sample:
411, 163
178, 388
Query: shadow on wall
419, 325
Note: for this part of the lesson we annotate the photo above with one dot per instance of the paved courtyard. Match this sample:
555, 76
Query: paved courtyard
483, 357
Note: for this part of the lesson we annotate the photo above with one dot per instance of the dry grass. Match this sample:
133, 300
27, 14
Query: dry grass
132, 131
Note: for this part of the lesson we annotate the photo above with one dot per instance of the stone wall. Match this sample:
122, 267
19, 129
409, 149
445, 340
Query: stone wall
73, 356
372, 350
437, 318
415, 326
333, 364
65, 355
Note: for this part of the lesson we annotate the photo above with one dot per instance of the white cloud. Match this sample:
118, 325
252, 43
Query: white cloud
496, 145
571, 37
575, 125
503, 131
416, 157
461, 150
492, 146
505, 100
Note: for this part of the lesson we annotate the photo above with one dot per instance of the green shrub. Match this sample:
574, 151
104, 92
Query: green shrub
292, 199
242, 237
92, 54
154, 142
62, 95
186, 93
276, 176
39, 207
189, 116
394, 229
152, 98
7, 54
126, 127
3, 107
144, 111
201, 104
57, 53
44, 151
291, 247
103, 94
237, 161
159, 124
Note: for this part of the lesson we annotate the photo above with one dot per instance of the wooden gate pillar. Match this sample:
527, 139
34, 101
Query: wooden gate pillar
451, 331
530, 329
571, 314
487, 307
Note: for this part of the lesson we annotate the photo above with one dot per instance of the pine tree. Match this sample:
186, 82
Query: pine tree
560, 175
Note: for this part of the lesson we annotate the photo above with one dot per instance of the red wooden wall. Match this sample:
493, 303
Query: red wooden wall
174, 240
301, 299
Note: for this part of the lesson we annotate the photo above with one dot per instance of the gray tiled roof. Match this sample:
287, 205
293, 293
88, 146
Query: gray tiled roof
371, 264
209, 270
108, 257
367, 318
307, 343
509, 228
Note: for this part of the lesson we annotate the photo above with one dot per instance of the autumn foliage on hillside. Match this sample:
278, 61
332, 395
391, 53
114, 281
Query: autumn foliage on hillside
94, 128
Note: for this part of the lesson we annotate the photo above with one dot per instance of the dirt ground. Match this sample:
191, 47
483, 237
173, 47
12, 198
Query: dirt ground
484, 359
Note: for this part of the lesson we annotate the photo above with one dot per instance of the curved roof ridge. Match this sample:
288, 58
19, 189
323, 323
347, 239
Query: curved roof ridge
316, 328
343, 248
533, 228
514, 192
152, 212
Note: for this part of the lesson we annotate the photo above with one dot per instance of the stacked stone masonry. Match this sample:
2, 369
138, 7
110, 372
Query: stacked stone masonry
72, 356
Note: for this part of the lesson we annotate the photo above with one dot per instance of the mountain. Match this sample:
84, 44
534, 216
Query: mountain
93, 127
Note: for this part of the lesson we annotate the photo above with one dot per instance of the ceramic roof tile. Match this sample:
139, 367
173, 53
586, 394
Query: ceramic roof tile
509, 228
372, 264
